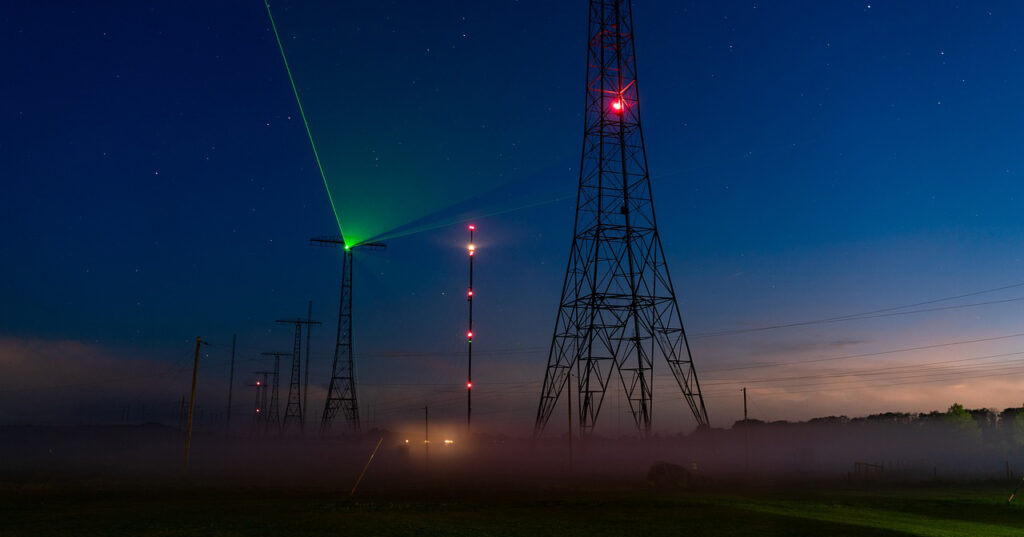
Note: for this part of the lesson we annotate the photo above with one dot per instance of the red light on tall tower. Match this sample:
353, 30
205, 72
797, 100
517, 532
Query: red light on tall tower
469, 293
469, 385
618, 106
469, 335
472, 227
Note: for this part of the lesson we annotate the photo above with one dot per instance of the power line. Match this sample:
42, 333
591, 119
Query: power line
857, 317
958, 377
1001, 366
714, 382
868, 354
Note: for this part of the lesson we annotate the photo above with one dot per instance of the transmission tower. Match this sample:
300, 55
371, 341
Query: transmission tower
273, 416
618, 310
341, 392
293, 409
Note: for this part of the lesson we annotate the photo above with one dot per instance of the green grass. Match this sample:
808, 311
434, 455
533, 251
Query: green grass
974, 511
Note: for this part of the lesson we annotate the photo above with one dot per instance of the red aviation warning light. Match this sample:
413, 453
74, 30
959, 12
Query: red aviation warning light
469, 293
618, 105
469, 335
469, 385
472, 227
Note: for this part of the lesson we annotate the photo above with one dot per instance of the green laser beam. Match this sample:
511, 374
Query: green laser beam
302, 113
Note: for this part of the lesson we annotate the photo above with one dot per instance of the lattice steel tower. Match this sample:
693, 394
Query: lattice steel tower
618, 310
293, 408
272, 418
341, 392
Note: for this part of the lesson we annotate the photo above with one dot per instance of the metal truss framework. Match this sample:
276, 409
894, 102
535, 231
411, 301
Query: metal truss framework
341, 392
618, 309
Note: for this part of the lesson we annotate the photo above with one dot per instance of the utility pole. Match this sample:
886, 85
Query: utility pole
259, 417
192, 401
744, 403
231, 378
469, 334
305, 388
746, 433
257, 409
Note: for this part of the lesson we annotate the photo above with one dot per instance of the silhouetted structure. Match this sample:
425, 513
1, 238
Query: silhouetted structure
259, 416
272, 419
618, 308
341, 392
293, 408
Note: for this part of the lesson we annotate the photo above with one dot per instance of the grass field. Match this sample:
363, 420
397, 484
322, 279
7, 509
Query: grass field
172, 511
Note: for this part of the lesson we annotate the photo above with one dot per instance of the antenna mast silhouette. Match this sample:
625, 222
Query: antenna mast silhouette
341, 392
618, 309
259, 415
293, 408
272, 419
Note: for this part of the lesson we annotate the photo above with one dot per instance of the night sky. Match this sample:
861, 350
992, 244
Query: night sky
809, 160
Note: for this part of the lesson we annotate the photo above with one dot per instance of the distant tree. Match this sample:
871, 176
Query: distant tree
739, 424
987, 420
962, 422
891, 417
1017, 430
1011, 424
829, 420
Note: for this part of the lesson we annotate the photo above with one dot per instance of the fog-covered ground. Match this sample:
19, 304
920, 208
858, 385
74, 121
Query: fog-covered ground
953, 445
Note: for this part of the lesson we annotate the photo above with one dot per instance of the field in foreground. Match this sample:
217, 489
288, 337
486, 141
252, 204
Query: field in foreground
619, 510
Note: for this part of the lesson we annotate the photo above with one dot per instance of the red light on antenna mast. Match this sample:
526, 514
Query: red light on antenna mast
469, 385
472, 227
618, 105
469, 293
469, 335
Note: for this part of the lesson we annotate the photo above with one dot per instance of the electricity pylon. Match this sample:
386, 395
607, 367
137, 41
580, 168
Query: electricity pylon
293, 408
618, 309
272, 419
341, 392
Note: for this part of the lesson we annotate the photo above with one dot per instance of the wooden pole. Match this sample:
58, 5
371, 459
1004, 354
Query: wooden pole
192, 402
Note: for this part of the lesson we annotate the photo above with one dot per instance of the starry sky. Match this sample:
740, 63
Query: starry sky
811, 162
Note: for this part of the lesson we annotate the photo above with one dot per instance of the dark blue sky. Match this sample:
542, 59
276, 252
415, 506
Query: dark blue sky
808, 159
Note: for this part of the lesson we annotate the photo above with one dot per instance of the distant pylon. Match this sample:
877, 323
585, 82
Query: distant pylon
618, 308
272, 419
293, 409
341, 392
